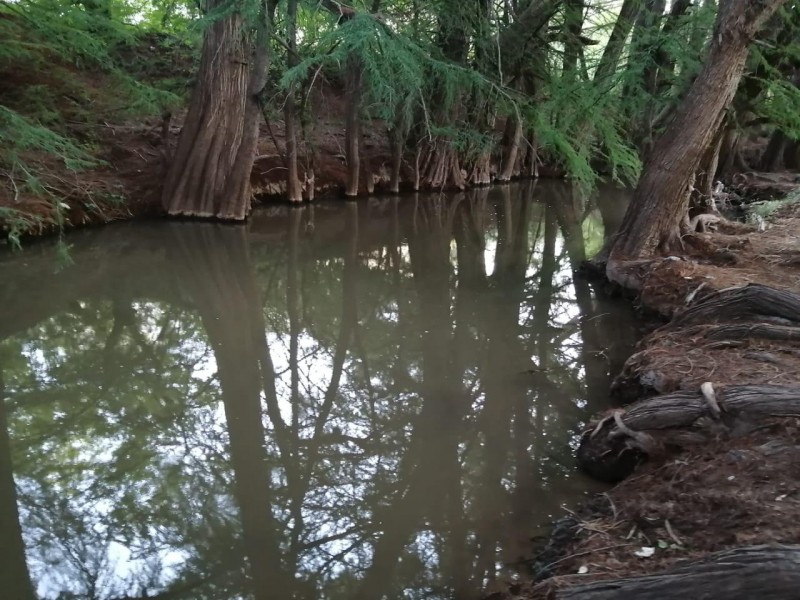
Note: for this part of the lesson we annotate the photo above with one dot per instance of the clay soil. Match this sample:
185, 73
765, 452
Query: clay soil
128, 180
742, 488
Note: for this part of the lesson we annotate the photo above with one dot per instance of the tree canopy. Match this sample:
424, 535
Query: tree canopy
468, 92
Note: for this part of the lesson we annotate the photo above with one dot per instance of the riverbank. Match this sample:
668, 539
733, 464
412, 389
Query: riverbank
708, 450
84, 144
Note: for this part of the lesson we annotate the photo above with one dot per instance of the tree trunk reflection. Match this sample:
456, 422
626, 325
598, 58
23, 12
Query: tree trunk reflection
15, 581
213, 265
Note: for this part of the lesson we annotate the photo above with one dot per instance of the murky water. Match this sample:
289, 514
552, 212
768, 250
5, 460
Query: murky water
355, 400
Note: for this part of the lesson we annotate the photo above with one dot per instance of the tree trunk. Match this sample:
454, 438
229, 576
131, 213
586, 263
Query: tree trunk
573, 24
730, 156
397, 139
513, 136
661, 199
210, 173
772, 159
353, 125
294, 189
616, 42
703, 194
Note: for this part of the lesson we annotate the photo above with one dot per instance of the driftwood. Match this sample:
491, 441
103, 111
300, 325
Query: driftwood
763, 572
753, 300
611, 452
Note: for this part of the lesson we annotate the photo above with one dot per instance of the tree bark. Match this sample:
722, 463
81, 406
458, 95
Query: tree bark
616, 41
513, 136
617, 445
210, 173
753, 301
772, 159
660, 202
764, 572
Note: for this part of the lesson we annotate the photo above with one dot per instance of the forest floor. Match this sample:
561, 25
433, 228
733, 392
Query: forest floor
740, 488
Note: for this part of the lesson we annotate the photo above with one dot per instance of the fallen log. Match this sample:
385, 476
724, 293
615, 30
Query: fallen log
747, 302
769, 572
619, 443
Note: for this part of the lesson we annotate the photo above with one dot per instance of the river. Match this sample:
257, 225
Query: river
372, 399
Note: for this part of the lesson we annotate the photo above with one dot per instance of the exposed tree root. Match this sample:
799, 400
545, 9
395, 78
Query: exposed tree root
766, 572
763, 331
614, 448
750, 301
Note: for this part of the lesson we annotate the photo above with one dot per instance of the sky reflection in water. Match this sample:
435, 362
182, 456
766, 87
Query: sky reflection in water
351, 400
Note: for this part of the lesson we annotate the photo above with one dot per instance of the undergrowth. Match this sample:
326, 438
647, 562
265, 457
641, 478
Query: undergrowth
67, 71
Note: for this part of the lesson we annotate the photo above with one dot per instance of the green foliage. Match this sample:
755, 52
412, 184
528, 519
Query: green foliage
68, 71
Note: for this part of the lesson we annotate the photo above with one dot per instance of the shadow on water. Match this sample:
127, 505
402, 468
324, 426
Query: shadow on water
363, 400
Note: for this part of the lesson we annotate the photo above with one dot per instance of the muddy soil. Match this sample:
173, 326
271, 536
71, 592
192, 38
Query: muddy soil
738, 487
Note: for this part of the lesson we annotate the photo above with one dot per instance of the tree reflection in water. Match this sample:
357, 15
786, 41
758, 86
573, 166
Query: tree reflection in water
370, 400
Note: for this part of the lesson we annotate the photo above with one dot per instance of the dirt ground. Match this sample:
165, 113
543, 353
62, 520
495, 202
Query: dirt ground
735, 491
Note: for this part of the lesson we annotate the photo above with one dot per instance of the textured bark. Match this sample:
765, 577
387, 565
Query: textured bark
703, 194
210, 173
513, 136
769, 572
661, 199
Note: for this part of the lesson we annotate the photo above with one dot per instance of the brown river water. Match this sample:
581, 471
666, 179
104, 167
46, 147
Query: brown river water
372, 399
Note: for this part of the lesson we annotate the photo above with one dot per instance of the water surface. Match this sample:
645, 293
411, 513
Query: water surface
354, 400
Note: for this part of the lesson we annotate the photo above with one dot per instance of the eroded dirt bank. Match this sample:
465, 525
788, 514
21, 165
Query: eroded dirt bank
708, 453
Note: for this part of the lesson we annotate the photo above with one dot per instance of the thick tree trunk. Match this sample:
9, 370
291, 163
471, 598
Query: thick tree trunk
512, 138
661, 199
397, 139
210, 173
616, 42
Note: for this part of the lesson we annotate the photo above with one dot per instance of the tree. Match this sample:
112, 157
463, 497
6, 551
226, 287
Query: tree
656, 217
210, 172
